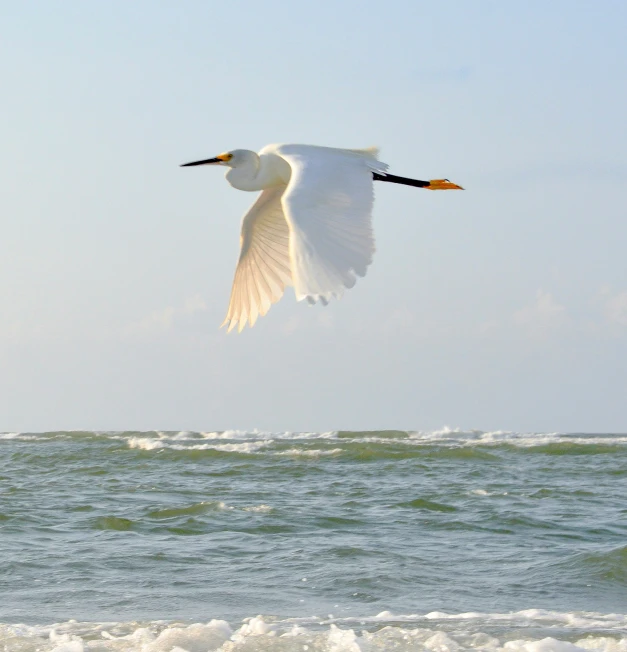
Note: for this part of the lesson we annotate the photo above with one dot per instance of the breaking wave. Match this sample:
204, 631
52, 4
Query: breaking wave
524, 631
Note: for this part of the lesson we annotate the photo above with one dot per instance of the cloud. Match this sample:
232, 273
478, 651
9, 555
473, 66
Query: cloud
293, 323
194, 304
11, 328
537, 320
325, 320
546, 317
163, 320
158, 321
542, 317
615, 307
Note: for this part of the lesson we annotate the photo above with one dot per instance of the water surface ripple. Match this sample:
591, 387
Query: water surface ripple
160, 526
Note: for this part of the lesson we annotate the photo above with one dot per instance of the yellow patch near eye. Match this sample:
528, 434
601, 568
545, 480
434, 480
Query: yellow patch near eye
225, 157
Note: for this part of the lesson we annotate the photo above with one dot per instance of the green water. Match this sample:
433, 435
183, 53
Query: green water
191, 526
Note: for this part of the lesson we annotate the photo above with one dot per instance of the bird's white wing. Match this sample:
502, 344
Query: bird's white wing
328, 206
263, 268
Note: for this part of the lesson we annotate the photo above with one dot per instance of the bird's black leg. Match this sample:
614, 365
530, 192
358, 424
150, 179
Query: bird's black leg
404, 180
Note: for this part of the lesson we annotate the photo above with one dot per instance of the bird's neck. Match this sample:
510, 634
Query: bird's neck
258, 173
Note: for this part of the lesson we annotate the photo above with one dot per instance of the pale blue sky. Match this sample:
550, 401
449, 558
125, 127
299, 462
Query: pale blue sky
502, 307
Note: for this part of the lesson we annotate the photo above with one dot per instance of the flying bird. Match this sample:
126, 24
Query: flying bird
311, 226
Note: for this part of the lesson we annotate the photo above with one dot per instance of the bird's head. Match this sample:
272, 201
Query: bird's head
231, 159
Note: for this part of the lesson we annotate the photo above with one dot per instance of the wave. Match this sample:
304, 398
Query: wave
524, 631
443, 437
608, 566
147, 443
314, 447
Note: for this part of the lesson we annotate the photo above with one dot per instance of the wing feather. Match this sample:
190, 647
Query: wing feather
328, 206
263, 270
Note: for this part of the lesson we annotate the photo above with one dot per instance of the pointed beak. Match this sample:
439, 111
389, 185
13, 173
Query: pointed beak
208, 161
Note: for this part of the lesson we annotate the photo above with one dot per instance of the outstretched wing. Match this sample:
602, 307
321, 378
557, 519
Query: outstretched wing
328, 206
263, 268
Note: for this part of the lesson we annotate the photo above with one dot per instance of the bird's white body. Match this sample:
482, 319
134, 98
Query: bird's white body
310, 228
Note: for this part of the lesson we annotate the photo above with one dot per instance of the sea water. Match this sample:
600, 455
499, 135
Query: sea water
340, 541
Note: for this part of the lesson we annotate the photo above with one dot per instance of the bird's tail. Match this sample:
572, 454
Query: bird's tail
371, 154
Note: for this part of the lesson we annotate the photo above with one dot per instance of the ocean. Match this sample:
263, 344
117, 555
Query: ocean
340, 541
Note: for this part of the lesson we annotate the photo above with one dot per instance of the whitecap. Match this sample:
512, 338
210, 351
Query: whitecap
9, 435
299, 452
434, 632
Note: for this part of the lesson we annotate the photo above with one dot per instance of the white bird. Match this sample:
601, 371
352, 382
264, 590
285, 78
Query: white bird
311, 226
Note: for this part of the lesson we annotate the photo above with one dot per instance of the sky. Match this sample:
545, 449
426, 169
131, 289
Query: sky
503, 307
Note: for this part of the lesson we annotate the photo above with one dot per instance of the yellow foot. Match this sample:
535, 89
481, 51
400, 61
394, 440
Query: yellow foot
442, 184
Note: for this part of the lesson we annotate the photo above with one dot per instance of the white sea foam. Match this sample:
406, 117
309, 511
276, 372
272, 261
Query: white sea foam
526, 618
263, 509
444, 436
24, 436
484, 492
299, 452
259, 434
254, 440
9, 435
520, 439
147, 443
257, 442
144, 443
243, 447
433, 632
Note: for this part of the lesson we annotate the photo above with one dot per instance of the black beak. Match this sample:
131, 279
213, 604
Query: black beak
208, 161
